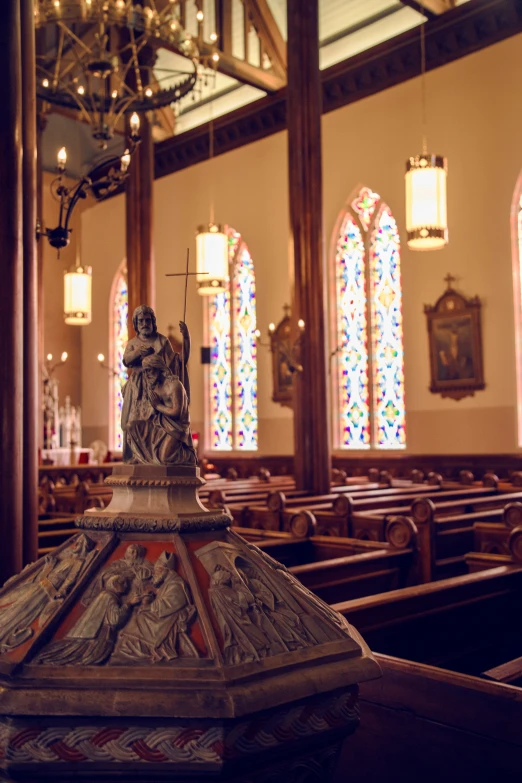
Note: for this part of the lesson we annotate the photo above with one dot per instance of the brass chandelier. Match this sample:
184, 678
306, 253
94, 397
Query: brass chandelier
99, 55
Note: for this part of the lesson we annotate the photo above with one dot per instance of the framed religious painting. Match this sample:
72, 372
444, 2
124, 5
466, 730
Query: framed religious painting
282, 360
455, 344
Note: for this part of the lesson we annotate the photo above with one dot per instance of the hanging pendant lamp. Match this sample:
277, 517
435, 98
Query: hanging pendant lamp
211, 260
426, 212
77, 296
426, 175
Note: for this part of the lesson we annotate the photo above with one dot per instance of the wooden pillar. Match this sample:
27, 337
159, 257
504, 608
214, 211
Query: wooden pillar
138, 206
31, 412
11, 293
311, 399
41, 120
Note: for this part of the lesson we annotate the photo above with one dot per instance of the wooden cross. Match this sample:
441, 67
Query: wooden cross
449, 279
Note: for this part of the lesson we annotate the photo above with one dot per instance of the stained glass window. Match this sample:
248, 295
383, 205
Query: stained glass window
369, 349
120, 309
233, 368
387, 350
354, 407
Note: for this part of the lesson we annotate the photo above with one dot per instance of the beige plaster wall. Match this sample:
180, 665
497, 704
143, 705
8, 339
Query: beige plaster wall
474, 118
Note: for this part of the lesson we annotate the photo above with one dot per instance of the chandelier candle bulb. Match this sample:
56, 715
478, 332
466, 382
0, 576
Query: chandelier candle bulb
134, 124
426, 210
77, 296
125, 161
301, 325
49, 357
62, 159
211, 260
199, 16
101, 358
271, 328
63, 357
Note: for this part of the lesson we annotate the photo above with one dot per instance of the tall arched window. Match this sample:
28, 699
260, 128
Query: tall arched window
119, 309
516, 224
233, 367
368, 327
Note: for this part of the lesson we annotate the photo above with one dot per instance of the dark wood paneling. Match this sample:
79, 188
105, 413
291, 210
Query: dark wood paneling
462, 31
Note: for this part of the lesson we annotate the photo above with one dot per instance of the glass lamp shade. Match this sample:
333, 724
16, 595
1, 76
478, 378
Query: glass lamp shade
426, 212
212, 258
77, 296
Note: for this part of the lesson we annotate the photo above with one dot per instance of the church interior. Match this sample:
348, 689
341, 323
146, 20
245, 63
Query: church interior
261, 399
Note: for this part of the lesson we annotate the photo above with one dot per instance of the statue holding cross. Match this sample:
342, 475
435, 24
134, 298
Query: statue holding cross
148, 342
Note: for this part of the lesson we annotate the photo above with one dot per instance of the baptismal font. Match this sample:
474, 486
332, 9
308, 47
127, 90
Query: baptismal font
156, 643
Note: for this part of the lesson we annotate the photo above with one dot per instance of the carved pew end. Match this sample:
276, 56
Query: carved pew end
303, 525
512, 516
466, 477
276, 501
401, 532
435, 479
423, 510
515, 544
417, 477
490, 480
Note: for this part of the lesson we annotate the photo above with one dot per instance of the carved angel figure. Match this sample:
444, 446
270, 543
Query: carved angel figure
43, 594
159, 433
158, 630
91, 640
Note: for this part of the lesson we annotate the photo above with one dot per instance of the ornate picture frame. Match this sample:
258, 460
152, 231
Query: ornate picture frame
281, 348
455, 344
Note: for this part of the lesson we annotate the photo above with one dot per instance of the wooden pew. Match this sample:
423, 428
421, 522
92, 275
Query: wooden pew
431, 641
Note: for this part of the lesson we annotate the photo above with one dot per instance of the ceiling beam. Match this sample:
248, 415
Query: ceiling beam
246, 73
269, 33
430, 8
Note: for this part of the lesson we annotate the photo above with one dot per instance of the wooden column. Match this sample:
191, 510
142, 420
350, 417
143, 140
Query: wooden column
41, 121
311, 408
138, 201
11, 293
30, 264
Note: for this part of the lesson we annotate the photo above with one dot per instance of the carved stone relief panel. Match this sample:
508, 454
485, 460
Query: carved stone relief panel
31, 599
138, 610
261, 612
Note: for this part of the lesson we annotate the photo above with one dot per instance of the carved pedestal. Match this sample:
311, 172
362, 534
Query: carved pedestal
157, 644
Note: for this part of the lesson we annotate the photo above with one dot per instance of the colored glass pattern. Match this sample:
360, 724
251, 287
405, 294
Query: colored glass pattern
245, 363
220, 373
354, 404
233, 368
364, 206
387, 333
120, 337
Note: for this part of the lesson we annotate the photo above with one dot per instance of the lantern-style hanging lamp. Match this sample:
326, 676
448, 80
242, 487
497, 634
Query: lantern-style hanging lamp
426, 174
426, 213
77, 296
211, 260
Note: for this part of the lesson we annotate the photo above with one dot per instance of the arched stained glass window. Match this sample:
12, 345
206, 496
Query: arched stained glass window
119, 337
233, 368
369, 336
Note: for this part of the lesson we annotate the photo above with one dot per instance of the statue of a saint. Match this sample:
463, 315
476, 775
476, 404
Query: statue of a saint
159, 431
148, 342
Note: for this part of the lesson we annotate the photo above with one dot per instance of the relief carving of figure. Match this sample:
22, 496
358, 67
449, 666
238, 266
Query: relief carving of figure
133, 566
284, 627
148, 342
91, 640
40, 597
159, 628
232, 602
159, 432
